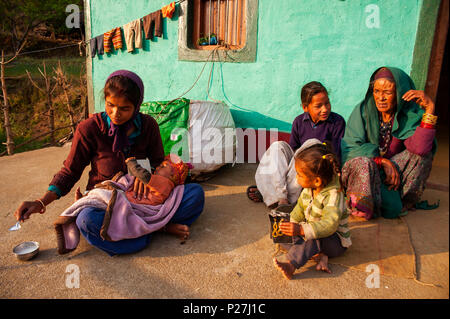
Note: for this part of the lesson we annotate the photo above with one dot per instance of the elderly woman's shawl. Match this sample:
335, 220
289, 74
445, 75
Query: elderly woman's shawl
362, 131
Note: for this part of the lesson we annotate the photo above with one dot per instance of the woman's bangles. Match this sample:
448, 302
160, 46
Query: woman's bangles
43, 206
428, 120
378, 160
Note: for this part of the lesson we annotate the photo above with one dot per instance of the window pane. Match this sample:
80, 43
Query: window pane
223, 18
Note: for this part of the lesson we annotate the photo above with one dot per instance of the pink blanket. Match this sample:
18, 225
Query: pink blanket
123, 219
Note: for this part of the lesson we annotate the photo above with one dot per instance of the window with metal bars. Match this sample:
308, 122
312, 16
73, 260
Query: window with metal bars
219, 23
230, 26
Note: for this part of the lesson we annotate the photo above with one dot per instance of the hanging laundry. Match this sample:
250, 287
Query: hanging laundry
153, 22
167, 11
133, 35
114, 36
96, 45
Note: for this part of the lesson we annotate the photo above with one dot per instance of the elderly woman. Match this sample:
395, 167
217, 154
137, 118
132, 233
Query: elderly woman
388, 146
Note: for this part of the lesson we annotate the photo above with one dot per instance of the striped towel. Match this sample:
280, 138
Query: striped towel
114, 36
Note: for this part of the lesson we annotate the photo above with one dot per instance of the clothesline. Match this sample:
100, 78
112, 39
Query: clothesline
64, 46
48, 49
176, 2
151, 25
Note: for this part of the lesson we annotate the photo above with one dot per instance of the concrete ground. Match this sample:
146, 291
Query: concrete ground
229, 253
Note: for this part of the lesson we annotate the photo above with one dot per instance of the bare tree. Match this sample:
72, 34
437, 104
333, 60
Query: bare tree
19, 18
48, 91
65, 85
84, 91
20, 26
6, 107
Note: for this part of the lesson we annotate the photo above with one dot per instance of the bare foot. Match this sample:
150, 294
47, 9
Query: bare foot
286, 268
179, 230
283, 201
322, 264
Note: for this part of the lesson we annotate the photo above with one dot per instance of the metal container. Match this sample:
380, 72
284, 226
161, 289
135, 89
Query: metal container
26, 250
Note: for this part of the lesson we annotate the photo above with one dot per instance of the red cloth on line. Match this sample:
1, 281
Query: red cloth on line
167, 11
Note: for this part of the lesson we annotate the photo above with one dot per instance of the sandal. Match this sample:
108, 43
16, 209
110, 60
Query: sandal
256, 193
285, 208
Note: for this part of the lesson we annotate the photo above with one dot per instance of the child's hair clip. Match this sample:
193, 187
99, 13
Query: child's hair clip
324, 143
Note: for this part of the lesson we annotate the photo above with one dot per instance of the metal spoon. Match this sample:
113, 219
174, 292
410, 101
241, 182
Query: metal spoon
15, 227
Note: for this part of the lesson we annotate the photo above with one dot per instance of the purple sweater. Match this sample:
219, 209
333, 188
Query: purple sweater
331, 130
420, 143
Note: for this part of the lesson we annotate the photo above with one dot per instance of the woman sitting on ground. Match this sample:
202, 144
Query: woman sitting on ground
388, 146
104, 141
275, 177
126, 216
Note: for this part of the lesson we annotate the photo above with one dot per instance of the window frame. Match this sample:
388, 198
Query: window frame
186, 47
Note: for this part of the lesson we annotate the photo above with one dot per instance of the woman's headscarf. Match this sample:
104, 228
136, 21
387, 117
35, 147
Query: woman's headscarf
119, 132
361, 136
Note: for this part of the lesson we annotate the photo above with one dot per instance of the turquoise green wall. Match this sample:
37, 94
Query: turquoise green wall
298, 41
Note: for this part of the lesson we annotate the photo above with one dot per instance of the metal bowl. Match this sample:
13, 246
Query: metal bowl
26, 250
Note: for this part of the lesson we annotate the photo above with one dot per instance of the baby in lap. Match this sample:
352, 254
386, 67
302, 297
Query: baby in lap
170, 173
158, 187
